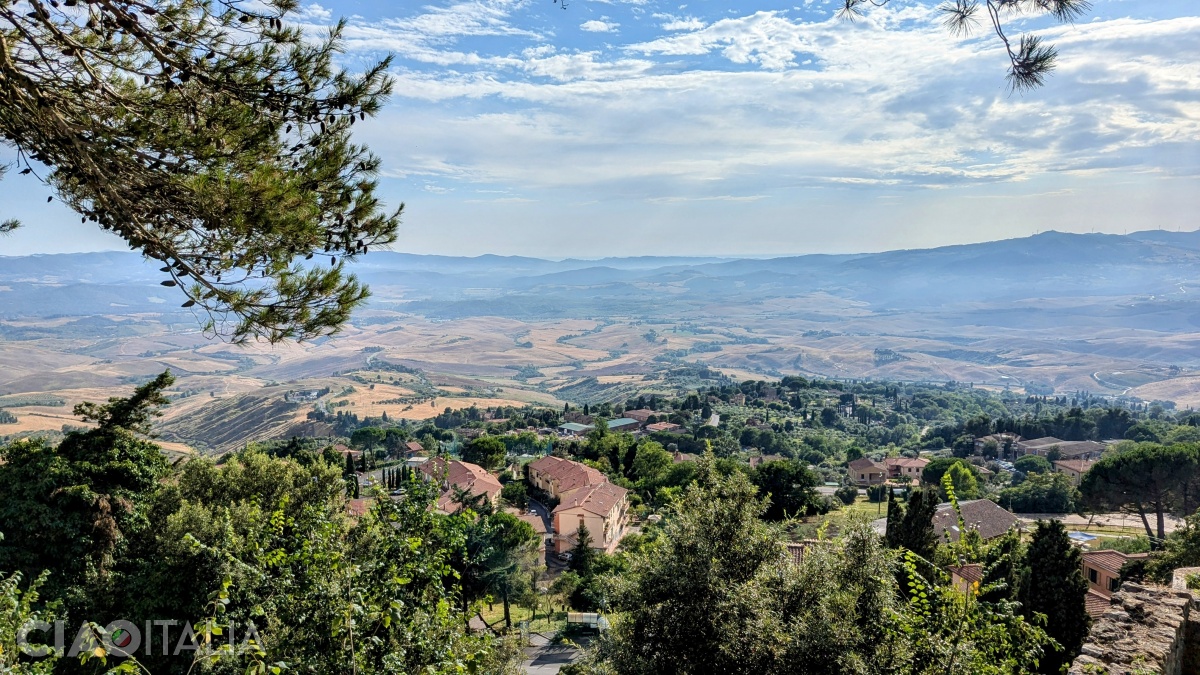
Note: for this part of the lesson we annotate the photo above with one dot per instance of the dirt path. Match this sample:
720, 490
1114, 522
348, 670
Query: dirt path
1102, 520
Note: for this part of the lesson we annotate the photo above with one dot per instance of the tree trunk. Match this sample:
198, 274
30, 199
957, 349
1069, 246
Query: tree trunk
507, 617
1146, 524
1162, 529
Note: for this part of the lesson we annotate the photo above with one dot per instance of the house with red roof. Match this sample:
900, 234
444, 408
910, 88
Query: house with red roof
864, 472
1102, 569
905, 468
454, 475
585, 498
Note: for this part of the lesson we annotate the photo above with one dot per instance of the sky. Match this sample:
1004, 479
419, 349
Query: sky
643, 127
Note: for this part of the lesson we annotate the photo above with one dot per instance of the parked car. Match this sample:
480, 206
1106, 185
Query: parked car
565, 556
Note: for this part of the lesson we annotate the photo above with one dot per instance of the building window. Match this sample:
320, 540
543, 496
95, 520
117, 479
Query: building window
1113, 583
1092, 576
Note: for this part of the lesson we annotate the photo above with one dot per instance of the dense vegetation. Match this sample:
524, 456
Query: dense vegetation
110, 530
101, 526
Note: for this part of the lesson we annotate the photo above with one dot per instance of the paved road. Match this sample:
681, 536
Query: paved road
551, 561
544, 658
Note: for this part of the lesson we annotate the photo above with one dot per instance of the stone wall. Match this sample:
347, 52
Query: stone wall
1148, 630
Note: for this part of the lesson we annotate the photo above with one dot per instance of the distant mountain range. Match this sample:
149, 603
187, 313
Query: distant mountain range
1025, 274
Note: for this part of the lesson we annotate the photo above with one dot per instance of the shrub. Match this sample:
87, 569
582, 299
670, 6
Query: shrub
847, 494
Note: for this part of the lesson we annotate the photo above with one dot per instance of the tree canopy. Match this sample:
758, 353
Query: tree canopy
1149, 480
1030, 59
210, 135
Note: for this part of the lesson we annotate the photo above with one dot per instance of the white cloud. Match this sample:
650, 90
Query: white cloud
891, 102
683, 24
314, 12
598, 26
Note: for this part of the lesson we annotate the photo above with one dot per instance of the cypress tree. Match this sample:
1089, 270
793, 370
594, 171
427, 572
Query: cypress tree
911, 527
1052, 584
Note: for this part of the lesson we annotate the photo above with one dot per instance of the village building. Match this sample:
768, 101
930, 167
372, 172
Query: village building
600, 507
665, 427
624, 424
1102, 569
1074, 468
864, 472
758, 460
1001, 440
964, 577
642, 415
574, 428
982, 515
905, 468
557, 476
454, 476
1066, 449
585, 497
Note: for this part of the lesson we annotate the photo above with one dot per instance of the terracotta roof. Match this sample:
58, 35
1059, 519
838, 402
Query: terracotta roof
863, 464
463, 475
969, 573
1097, 605
414, 446
640, 415
538, 524
755, 461
982, 515
662, 426
599, 499
917, 462
358, 507
567, 475
1110, 561
1076, 465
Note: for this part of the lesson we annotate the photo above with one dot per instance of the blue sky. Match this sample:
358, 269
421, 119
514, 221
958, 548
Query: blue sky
635, 127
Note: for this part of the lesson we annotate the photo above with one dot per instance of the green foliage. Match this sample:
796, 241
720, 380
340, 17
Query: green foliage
217, 142
936, 468
846, 494
326, 592
499, 555
1052, 585
368, 438
1149, 479
719, 596
1181, 549
1032, 464
516, 493
963, 478
1041, 493
488, 452
789, 488
650, 464
75, 508
910, 526
17, 608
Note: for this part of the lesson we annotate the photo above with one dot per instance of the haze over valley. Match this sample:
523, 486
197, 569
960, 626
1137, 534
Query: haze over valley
1109, 314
